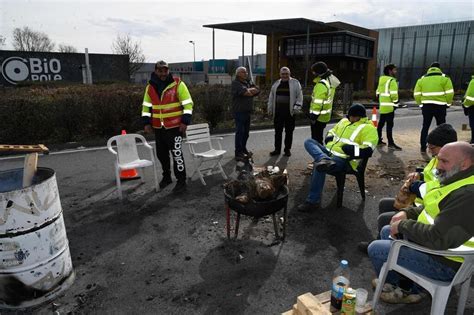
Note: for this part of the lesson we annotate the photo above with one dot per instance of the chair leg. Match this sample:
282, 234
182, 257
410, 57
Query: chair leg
155, 174
378, 289
439, 300
463, 296
340, 181
224, 175
119, 184
361, 182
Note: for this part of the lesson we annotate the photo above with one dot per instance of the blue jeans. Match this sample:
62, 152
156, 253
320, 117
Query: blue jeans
318, 152
242, 128
421, 263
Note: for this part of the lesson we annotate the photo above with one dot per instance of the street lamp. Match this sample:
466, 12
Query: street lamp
194, 52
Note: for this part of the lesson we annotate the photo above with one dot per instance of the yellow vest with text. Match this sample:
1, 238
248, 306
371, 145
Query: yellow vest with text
431, 209
362, 134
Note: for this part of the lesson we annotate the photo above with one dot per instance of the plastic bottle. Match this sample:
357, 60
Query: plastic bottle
340, 282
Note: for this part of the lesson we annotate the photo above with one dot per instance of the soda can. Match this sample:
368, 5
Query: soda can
348, 302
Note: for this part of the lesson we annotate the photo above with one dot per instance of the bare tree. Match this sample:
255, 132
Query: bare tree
124, 45
67, 48
25, 39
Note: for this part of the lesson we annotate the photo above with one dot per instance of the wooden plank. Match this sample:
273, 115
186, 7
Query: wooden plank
290, 312
325, 299
29, 169
20, 148
307, 304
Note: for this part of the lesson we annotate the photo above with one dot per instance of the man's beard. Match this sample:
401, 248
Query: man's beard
444, 176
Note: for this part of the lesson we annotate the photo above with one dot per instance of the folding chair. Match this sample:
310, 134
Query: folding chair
127, 157
197, 137
439, 290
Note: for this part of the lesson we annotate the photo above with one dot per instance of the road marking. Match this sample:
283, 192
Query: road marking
69, 151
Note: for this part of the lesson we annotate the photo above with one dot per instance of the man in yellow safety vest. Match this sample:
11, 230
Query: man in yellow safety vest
468, 105
445, 221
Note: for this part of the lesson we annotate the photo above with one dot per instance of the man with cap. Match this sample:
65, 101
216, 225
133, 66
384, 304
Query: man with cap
351, 139
325, 84
422, 180
167, 109
434, 94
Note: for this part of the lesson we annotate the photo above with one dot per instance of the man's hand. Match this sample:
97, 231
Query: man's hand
401, 215
297, 107
148, 129
394, 229
413, 176
182, 128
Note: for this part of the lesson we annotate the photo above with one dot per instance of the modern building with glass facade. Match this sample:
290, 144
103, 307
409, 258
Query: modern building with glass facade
414, 48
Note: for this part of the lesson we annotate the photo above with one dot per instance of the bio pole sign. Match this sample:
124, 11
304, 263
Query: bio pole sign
18, 69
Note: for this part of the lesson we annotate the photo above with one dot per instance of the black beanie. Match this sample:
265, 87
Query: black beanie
357, 110
441, 135
435, 64
319, 68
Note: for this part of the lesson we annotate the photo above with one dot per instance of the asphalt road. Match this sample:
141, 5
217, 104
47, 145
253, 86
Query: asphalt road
168, 254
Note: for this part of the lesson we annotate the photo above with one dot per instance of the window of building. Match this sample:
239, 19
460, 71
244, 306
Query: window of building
300, 47
337, 45
290, 47
354, 46
322, 46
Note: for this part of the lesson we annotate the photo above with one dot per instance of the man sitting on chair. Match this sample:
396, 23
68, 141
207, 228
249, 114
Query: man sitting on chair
445, 221
351, 139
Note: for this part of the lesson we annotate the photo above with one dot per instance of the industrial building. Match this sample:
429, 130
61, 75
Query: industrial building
414, 48
349, 50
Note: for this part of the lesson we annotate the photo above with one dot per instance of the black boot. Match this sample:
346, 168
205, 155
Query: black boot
165, 181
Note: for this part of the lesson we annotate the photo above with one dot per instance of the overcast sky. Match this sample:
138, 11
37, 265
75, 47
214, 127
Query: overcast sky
165, 28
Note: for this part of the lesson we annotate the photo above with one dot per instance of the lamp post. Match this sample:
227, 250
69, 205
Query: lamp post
194, 52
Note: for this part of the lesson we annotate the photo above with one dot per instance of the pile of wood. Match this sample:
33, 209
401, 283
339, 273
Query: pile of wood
260, 187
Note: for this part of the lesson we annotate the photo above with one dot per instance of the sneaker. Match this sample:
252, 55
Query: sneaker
381, 143
387, 287
180, 187
307, 207
310, 166
324, 165
273, 153
249, 153
165, 182
394, 147
287, 153
363, 247
400, 296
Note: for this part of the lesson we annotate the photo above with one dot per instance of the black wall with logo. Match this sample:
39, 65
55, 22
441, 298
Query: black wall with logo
19, 66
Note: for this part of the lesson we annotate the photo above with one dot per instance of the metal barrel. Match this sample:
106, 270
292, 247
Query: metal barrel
35, 262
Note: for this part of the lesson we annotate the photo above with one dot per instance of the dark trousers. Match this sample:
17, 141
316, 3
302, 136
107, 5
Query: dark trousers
170, 140
429, 111
386, 118
242, 128
471, 122
386, 212
317, 130
287, 122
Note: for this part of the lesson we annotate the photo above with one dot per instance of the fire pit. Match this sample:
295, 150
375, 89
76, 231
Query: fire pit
258, 209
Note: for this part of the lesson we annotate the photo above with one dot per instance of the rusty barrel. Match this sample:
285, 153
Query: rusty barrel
35, 262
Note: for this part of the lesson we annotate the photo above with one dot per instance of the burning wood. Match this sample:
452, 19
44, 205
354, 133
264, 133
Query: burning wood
260, 187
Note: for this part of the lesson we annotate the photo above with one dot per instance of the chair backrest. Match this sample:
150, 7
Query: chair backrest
126, 147
199, 133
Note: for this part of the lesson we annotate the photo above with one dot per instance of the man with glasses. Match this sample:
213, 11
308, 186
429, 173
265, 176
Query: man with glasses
286, 97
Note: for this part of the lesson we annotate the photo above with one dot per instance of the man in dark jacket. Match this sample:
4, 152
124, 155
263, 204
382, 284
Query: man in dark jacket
243, 92
446, 221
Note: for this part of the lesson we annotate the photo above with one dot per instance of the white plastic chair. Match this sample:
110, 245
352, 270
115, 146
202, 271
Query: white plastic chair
127, 157
439, 290
197, 135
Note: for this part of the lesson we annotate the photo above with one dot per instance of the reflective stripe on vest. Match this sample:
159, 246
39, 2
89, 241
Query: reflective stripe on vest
349, 141
431, 210
322, 102
167, 109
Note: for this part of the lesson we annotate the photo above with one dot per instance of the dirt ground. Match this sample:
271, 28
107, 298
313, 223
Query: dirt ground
158, 253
